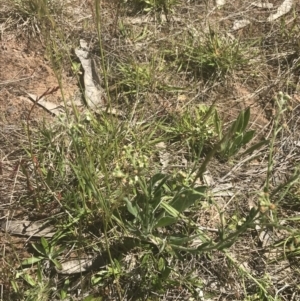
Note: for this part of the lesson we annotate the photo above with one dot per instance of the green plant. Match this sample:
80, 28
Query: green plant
236, 136
140, 77
112, 270
161, 203
194, 126
39, 285
156, 271
156, 205
127, 32
46, 251
63, 292
38, 13
136, 78
210, 56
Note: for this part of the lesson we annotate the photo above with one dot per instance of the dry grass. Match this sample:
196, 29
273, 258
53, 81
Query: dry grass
164, 64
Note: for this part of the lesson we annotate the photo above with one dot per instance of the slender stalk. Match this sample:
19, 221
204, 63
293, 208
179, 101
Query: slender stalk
280, 100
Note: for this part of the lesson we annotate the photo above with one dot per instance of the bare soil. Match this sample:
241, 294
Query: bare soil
25, 70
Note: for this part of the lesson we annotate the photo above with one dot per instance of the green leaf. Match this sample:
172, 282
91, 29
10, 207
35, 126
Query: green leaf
156, 178
225, 245
131, 208
187, 198
32, 260
64, 291
154, 186
58, 251
224, 146
218, 125
200, 190
57, 264
236, 136
166, 272
146, 259
161, 264
294, 218
169, 209
40, 249
49, 177
45, 245
29, 280
39, 272
15, 286
165, 221
237, 125
246, 119
248, 137
205, 245
255, 147
237, 141
181, 239
96, 280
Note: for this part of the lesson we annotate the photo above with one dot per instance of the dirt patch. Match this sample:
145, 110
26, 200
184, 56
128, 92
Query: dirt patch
24, 72
240, 98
